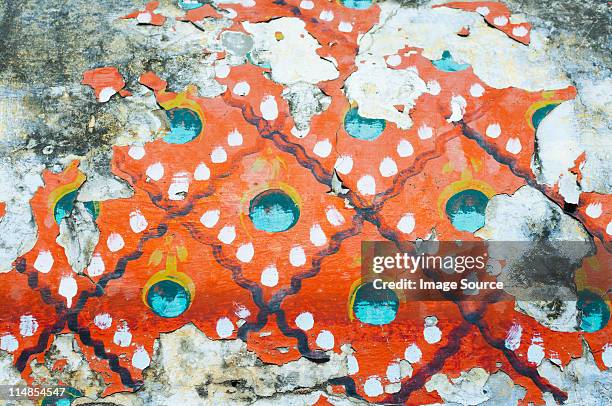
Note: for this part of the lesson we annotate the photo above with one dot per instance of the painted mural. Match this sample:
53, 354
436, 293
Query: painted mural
217, 258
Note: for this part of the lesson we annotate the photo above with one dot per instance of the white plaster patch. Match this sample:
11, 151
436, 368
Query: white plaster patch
513, 339
458, 105
294, 57
352, 365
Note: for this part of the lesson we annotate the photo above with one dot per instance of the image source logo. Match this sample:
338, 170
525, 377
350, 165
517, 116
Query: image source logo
477, 270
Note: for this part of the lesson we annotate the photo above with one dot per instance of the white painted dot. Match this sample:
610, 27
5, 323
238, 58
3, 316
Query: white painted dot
234, 138
105, 94
476, 90
373, 386
594, 210
334, 217
227, 234
241, 89
609, 228
606, 356
323, 148
225, 327
326, 15
218, 155
500, 21
230, 13
245, 252
513, 338
103, 321
325, 340
8, 343
202, 172
138, 222
493, 130
413, 353
155, 171
305, 321
179, 187
432, 334
115, 242
242, 311
122, 336
366, 185
222, 70
520, 31
68, 289
394, 60
458, 106
513, 146
394, 373
317, 236
299, 133
144, 18
96, 266
210, 218
483, 11
406, 223
306, 4
352, 365
425, 132
44, 262
27, 325
433, 87
136, 152
387, 167
404, 149
140, 358
269, 108
269, 276
345, 26
297, 256
535, 353
344, 164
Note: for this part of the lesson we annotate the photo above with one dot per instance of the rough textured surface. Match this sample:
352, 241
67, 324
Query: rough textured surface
139, 144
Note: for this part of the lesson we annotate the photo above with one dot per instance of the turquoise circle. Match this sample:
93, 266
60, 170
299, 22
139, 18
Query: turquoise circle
363, 128
189, 4
273, 211
65, 204
185, 125
375, 306
595, 311
466, 210
168, 299
357, 4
